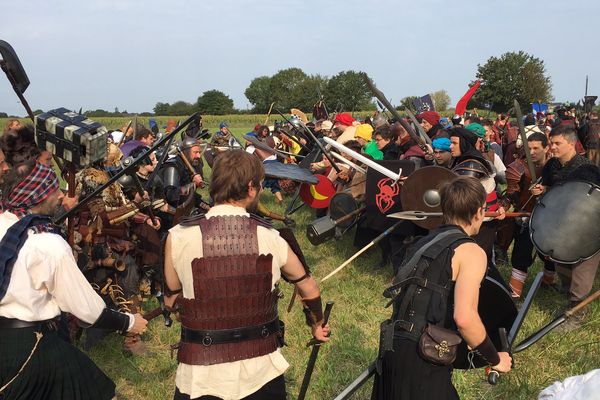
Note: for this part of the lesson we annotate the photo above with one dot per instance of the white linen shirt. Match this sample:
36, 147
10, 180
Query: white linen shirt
45, 280
237, 379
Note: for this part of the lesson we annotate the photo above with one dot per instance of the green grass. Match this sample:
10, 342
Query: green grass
355, 320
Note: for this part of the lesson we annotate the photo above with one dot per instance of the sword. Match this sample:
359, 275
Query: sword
381, 97
524, 140
316, 346
508, 341
357, 383
367, 161
556, 322
420, 129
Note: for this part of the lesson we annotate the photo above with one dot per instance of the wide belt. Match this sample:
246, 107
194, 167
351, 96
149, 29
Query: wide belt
12, 323
208, 338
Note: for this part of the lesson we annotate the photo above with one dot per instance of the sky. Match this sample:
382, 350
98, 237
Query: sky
132, 54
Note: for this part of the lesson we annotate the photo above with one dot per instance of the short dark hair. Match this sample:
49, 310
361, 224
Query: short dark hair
15, 176
567, 131
538, 137
231, 173
385, 131
461, 198
142, 132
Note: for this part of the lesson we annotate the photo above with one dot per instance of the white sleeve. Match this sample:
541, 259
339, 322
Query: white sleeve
67, 285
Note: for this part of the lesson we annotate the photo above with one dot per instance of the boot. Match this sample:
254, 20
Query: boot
517, 281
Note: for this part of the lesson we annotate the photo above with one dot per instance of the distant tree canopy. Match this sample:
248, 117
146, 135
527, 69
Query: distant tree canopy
513, 75
441, 100
3, 115
214, 102
293, 88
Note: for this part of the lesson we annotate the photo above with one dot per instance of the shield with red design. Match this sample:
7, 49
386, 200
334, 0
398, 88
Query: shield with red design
317, 195
382, 195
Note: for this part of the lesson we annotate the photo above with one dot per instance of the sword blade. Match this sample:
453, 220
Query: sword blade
516, 326
524, 140
357, 383
313, 355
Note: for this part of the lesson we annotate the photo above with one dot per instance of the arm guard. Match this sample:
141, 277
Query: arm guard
313, 310
112, 320
488, 352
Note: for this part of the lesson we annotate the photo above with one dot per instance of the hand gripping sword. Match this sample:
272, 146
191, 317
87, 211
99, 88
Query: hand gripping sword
316, 346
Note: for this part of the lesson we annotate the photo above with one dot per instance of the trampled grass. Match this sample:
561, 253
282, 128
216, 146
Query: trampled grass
357, 292
355, 320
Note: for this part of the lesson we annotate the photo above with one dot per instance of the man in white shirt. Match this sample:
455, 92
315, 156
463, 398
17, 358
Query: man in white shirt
221, 271
39, 279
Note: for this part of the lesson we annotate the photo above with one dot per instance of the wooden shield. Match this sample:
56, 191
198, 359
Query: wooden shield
420, 192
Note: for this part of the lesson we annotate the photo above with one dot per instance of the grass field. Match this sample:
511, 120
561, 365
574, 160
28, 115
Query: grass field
355, 320
358, 311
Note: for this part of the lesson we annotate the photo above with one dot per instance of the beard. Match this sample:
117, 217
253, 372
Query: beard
253, 206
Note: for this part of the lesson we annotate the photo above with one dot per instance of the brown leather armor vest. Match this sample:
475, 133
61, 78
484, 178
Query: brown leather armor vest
232, 290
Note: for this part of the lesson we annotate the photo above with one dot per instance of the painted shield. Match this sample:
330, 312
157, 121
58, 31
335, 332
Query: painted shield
317, 195
420, 192
565, 223
497, 310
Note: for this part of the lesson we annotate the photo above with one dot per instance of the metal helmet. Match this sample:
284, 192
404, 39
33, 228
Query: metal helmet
187, 143
472, 167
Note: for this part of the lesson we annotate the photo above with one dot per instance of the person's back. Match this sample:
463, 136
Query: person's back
438, 285
221, 271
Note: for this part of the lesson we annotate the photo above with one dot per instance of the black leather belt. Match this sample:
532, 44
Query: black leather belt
12, 323
208, 338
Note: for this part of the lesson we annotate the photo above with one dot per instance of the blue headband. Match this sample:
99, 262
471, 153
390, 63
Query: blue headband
441, 144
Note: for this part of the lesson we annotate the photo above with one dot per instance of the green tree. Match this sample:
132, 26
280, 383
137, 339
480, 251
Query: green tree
214, 102
287, 88
441, 100
407, 103
161, 109
259, 94
181, 108
513, 75
350, 89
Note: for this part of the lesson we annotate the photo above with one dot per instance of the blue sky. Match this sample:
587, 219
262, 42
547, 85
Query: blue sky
131, 54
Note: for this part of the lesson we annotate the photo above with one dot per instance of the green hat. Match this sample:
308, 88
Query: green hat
477, 129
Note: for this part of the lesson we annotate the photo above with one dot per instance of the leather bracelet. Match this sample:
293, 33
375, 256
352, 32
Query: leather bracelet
313, 310
488, 352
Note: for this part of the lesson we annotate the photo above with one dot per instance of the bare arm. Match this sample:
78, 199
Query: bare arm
470, 261
308, 290
171, 278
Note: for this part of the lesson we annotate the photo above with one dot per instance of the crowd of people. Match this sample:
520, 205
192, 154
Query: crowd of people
215, 261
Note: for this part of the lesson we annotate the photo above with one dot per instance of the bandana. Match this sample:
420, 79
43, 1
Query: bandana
32, 190
441, 144
430, 116
344, 119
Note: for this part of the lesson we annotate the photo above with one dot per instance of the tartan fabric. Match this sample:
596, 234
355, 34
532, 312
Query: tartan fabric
11, 244
34, 189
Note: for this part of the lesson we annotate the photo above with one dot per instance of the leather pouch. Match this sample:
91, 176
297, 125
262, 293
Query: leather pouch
439, 345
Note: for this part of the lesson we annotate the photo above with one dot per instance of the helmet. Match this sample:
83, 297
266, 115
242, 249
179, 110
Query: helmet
187, 143
472, 167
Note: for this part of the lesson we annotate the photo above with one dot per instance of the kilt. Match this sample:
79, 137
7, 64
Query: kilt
57, 370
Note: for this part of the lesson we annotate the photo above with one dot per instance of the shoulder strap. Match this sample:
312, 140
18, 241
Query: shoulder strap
443, 240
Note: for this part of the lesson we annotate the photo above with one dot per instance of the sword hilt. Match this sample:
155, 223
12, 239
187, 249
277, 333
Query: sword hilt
326, 313
492, 375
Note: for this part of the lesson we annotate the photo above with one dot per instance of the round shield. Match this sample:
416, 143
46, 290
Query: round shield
497, 310
420, 192
317, 195
565, 223
341, 205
